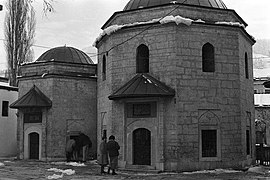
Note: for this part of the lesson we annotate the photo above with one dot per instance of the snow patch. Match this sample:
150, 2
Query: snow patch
215, 171
55, 176
2, 164
8, 162
67, 171
257, 169
69, 163
177, 19
75, 164
199, 21
231, 24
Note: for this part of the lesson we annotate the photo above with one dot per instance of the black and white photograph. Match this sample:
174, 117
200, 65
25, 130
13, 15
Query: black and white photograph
134, 89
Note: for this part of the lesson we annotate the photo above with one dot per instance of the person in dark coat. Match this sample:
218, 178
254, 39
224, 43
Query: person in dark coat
84, 143
103, 154
70, 148
112, 149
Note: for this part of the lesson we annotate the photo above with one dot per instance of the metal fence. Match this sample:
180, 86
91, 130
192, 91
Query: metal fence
263, 155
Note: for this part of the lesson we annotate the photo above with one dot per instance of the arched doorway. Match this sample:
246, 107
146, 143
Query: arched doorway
141, 147
33, 145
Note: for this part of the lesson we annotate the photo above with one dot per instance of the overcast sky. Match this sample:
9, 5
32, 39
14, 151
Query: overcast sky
77, 23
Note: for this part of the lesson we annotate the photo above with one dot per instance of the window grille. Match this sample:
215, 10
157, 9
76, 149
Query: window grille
209, 143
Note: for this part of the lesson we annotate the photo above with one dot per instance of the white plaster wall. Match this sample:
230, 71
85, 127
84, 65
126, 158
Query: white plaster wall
8, 125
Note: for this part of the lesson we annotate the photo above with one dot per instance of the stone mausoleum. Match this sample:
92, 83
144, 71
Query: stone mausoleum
175, 85
57, 100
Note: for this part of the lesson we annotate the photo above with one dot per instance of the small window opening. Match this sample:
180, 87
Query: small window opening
5, 108
142, 59
104, 68
246, 66
208, 58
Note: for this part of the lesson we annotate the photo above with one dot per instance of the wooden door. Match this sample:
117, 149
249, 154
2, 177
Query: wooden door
34, 145
141, 147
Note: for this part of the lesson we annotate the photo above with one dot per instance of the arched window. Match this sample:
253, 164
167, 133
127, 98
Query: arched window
208, 58
104, 68
142, 59
246, 66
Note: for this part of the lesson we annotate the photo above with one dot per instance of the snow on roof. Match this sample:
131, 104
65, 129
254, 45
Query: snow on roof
262, 99
232, 24
167, 19
176, 19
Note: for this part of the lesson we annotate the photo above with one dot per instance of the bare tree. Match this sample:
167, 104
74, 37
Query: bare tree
47, 6
19, 32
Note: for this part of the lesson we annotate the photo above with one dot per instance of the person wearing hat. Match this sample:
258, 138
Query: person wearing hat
103, 154
112, 149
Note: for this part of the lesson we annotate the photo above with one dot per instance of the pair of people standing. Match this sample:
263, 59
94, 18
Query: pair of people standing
110, 149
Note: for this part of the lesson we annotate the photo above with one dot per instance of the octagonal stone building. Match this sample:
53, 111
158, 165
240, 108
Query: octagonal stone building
57, 100
175, 85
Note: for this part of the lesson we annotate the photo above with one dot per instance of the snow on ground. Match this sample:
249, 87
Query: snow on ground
67, 171
56, 176
8, 162
69, 163
257, 169
215, 171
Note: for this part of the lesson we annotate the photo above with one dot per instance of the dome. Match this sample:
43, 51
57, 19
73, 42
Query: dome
65, 54
136, 4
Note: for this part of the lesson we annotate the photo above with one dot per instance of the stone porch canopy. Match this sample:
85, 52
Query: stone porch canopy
33, 98
142, 85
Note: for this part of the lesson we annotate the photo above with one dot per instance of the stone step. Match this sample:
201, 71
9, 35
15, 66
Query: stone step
140, 168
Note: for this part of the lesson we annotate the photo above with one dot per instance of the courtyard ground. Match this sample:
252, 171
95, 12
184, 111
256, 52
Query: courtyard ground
36, 170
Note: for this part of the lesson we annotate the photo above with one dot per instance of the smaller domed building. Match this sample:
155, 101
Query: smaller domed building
57, 100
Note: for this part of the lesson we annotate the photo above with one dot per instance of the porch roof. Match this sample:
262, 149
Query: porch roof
142, 85
33, 98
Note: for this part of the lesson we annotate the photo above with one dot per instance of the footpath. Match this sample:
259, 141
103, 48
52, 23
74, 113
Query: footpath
37, 170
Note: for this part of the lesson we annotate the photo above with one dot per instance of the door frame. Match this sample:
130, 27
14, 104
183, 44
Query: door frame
30, 128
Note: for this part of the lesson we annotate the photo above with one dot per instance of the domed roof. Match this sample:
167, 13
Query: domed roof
65, 54
136, 4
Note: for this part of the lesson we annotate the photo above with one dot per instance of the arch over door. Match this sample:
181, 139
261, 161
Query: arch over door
141, 147
34, 145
